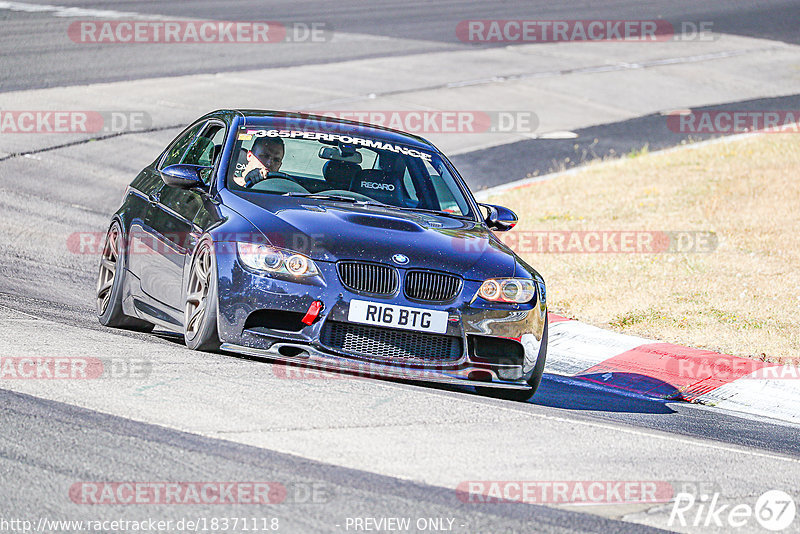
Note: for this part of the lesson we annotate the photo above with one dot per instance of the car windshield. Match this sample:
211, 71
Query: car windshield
341, 166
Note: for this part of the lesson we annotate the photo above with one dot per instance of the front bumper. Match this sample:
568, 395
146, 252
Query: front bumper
243, 292
313, 357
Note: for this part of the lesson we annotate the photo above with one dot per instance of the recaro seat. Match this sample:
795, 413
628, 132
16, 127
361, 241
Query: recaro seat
340, 174
376, 184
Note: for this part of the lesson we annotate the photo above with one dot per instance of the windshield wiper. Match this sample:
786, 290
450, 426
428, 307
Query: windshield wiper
321, 196
434, 212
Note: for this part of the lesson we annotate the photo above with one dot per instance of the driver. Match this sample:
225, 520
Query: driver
264, 157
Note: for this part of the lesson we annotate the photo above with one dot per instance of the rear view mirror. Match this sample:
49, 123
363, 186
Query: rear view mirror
340, 154
184, 176
499, 218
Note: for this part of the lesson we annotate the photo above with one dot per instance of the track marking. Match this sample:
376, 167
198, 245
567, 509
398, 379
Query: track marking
65, 11
74, 12
12, 310
560, 134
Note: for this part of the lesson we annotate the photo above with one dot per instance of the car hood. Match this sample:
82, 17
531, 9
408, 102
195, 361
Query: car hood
333, 231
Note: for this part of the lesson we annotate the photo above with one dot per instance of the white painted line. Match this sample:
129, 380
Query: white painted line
65, 11
74, 12
561, 134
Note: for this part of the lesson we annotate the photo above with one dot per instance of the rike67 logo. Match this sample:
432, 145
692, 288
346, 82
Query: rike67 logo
774, 510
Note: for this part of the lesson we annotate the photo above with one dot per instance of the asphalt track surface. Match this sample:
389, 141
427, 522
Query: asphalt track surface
536, 157
320, 436
41, 58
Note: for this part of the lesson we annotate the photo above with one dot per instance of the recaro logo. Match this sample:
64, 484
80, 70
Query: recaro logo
376, 185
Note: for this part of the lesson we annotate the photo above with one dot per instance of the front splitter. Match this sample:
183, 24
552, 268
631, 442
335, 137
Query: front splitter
315, 358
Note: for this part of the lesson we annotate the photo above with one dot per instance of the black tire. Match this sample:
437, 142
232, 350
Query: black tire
200, 291
523, 395
110, 280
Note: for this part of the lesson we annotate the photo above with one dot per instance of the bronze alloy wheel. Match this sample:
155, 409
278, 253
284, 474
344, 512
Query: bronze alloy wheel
197, 290
108, 269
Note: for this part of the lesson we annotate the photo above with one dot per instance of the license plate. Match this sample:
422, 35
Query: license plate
379, 314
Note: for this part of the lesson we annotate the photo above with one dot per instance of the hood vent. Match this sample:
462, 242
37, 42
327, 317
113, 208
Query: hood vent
387, 223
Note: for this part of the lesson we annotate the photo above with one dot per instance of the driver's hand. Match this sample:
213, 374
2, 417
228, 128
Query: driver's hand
255, 176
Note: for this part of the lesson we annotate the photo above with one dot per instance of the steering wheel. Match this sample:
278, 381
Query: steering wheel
279, 185
271, 174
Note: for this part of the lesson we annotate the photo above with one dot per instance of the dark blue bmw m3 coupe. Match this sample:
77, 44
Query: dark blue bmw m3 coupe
325, 243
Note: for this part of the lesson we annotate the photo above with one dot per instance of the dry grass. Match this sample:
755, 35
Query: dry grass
743, 298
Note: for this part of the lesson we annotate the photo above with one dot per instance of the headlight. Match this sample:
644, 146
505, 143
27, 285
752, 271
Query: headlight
276, 260
518, 290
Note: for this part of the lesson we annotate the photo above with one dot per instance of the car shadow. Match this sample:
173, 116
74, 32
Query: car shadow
566, 393
585, 392
593, 393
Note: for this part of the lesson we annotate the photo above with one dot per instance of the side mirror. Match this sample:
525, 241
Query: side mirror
184, 176
499, 218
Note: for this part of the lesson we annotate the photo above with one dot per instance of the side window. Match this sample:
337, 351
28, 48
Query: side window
447, 202
178, 148
205, 149
444, 184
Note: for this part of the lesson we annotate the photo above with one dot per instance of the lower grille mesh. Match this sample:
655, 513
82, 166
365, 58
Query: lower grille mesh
391, 344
